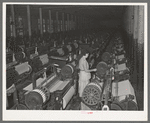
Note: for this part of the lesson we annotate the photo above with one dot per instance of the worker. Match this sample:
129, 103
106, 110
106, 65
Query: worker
84, 75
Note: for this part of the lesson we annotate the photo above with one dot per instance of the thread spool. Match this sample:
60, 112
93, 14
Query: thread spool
92, 94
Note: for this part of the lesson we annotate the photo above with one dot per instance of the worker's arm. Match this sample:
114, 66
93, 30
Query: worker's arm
87, 70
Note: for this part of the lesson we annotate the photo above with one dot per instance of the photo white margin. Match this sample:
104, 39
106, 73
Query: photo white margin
47, 115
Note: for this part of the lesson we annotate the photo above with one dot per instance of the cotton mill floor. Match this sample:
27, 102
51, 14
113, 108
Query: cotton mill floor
76, 102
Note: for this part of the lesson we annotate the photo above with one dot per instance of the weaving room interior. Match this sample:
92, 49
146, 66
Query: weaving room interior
74, 57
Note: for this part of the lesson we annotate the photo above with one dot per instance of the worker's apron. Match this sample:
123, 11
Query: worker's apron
83, 81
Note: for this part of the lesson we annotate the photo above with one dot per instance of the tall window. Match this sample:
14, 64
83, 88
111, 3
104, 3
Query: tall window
44, 30
52, 27
61, 25
66, 25
11, 26
48, 29
19, 26
58, 26
39, 24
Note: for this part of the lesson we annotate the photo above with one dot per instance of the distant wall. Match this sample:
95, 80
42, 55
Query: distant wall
106, 24
133, 26
110, 23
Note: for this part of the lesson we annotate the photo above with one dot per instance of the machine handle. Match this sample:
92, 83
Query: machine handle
105, 108
35, 75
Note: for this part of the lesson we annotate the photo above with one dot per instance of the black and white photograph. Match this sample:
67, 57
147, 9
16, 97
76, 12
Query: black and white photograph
74, 61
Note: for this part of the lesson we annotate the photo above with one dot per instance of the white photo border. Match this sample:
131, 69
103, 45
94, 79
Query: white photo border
48, 115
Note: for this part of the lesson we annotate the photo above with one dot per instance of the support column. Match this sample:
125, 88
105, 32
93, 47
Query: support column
132, 19
75, 23
131, 34
68, 27
85, 22
82, 24
57, 22
50, 21
136, 17
141, 48
135, 38
13, 20
41, 24
78, 22
29, 21
63, 22
72, 22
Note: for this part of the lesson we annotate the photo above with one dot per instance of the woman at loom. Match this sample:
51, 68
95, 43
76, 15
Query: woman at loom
84, 75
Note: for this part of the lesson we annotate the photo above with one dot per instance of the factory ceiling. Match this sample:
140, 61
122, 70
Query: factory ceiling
95, 12
98, 12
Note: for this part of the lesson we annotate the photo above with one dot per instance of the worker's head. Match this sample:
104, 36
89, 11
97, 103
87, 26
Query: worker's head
84, 53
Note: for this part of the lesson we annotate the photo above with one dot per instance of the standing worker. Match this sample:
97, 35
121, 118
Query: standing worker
84, 75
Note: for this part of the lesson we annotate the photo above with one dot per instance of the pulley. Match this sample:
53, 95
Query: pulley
20, 56
106, 57
128, 104
102, 67
67, 70
124, 105
37, 97
21, 107
92, 94
115, 106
